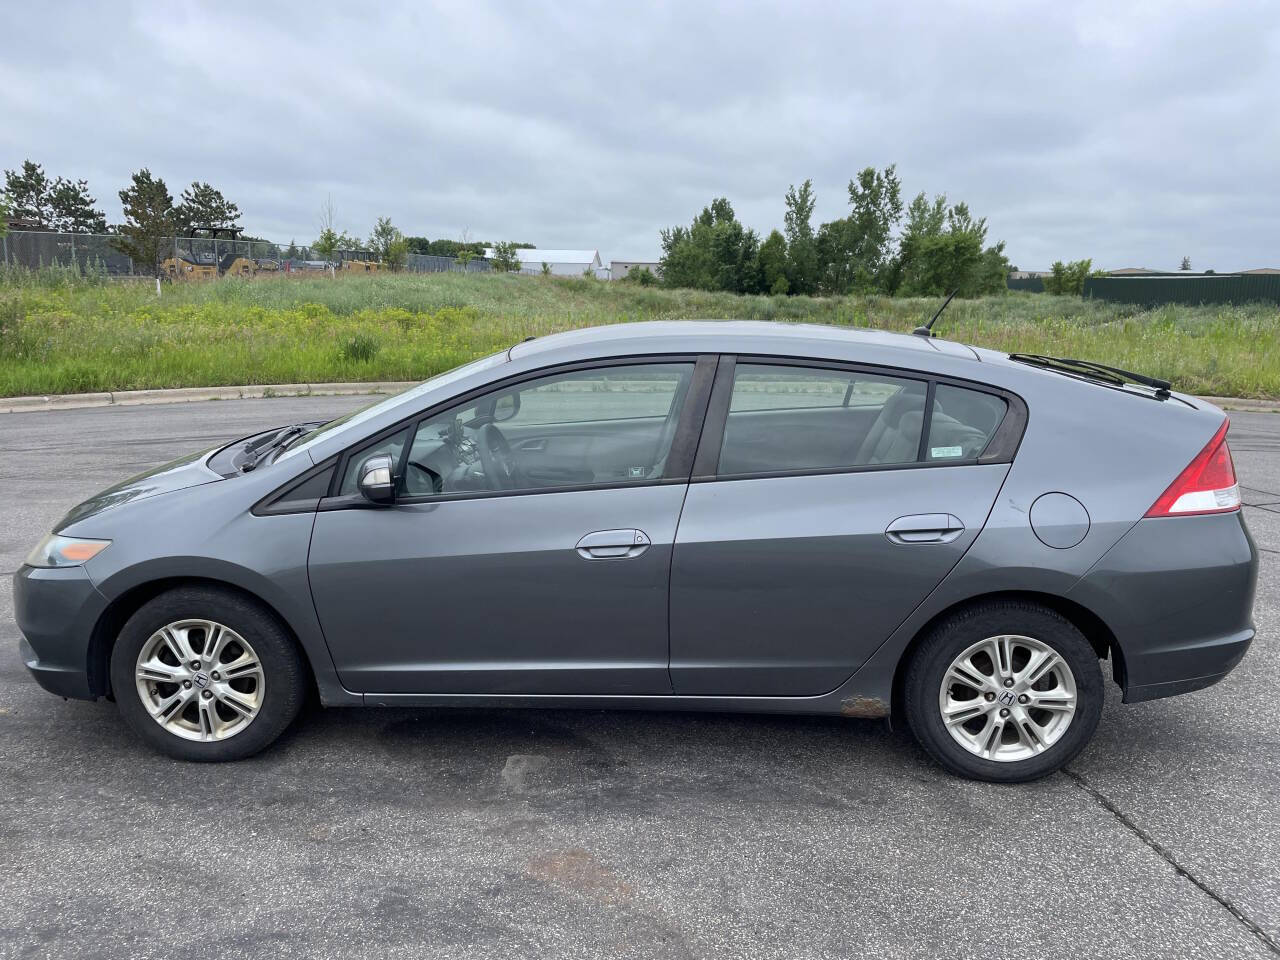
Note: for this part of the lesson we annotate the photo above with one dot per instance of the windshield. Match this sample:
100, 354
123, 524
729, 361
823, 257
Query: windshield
362, 414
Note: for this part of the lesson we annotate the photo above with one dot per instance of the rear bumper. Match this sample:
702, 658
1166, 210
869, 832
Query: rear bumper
1225, 653
56, 610
1177, 592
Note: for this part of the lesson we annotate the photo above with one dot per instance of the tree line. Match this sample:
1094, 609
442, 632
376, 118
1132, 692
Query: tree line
32, 200
928, 248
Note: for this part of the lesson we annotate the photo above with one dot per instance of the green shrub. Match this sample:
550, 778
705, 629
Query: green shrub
359, 349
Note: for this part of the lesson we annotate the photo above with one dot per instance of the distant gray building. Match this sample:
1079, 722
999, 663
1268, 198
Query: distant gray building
562, 263
620, 268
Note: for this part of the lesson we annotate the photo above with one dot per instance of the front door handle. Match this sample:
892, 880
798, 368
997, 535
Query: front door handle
613, 544
925, 528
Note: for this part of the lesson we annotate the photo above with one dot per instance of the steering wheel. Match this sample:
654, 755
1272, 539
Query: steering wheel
498, 460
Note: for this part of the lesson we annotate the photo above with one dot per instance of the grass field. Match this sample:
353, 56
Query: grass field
59, 334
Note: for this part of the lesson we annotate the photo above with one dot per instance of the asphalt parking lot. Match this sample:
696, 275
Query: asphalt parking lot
467, 833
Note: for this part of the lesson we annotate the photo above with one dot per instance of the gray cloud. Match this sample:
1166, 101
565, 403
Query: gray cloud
1133, 134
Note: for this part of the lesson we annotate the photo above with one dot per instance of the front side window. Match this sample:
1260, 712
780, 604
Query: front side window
785, 418
393, 445
606, 426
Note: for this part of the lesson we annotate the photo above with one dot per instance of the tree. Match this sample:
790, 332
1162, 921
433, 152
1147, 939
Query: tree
59, 204
993, 271
1186, 264
204, 206
941, 250
715, 252
466, 250
802, 253
1067, 278
331, 240
504, 258
4, 215
27, 192
148, 215
774, 263
945, 262
73, 209
388, 244
855, 252
326, 244
925, 219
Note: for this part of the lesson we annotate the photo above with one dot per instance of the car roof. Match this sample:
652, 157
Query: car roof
728, 336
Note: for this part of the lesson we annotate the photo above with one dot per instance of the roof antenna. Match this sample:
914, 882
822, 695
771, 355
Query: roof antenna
927, 329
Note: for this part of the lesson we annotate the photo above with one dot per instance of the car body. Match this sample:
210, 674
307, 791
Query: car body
724, 532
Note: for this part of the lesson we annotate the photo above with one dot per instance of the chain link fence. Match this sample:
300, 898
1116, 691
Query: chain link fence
200, 258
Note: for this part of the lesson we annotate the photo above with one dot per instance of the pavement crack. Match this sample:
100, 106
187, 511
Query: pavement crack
1221, 899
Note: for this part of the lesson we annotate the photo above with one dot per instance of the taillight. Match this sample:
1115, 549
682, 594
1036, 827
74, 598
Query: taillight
1208, 485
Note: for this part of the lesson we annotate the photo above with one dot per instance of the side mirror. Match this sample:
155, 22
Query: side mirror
506, 406
376, 483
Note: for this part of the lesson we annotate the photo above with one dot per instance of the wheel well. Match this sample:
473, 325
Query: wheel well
1083, 619
118, 612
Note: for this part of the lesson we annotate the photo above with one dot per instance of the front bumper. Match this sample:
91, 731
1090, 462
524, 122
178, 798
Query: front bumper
1177, 592
56, 610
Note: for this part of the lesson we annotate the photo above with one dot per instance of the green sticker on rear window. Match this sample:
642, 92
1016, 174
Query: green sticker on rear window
939, 453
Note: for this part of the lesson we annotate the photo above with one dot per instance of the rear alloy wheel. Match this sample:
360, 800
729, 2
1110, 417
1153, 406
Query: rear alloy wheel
202, 673
1008, 691
1007, 698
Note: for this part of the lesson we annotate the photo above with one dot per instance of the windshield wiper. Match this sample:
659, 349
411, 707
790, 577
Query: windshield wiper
1098, 371
258, 450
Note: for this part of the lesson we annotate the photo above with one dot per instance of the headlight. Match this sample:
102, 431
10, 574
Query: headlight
56, 551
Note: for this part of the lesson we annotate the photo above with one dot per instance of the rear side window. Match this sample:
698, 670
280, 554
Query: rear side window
785, 418
963, 422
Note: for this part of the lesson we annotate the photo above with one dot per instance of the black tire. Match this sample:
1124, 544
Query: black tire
282, 669
933, 658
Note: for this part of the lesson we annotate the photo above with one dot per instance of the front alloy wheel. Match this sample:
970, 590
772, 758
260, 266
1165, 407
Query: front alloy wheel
206, 673
200, 680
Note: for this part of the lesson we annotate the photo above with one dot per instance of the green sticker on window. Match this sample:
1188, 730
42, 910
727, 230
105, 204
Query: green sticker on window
939, 453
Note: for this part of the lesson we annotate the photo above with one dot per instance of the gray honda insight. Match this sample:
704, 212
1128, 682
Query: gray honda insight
678, 516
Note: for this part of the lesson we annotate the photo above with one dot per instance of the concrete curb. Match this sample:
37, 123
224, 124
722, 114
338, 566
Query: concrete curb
1244, 404
129, 398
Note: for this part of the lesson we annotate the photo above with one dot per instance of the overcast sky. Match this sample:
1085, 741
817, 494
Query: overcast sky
1131, 133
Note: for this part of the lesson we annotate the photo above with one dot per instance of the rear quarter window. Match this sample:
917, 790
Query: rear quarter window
963, 423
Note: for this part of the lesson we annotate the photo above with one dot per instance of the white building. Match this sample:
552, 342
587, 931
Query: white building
562, 263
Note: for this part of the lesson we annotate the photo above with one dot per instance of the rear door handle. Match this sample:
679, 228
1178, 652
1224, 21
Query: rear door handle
613, 544
925, 528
